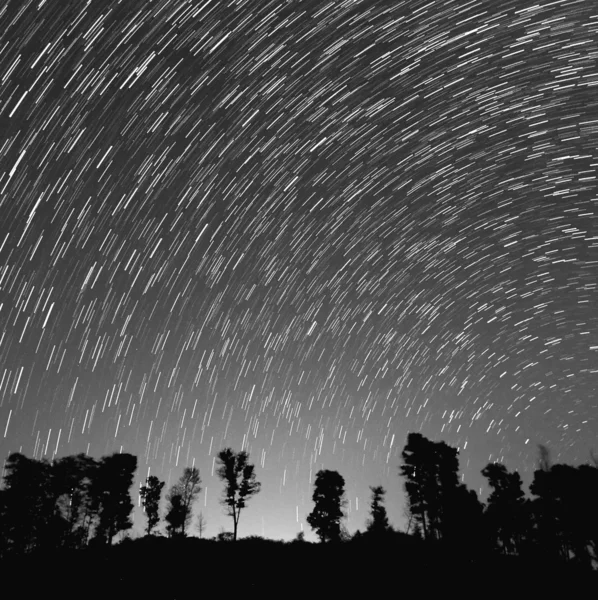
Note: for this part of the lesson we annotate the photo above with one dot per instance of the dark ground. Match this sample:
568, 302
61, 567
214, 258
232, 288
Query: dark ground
190, 568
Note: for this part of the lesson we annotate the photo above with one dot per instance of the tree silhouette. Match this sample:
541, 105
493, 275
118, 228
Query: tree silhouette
4, 524
29, 506
110, 488
586, 515
72, 481
201, 524
504, 512
240, 483
175, 514
462, 520
329, 500
187, 489
47, 506
416, 456
150, 499
378, 522
565, 510
431, 477
76, 500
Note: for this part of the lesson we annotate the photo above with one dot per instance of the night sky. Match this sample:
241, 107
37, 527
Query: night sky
299, 228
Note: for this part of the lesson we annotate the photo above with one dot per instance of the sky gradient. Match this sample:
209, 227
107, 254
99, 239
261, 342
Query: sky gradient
302, 229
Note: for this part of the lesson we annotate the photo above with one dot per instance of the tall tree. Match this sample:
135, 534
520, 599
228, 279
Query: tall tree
462, 520
29, 506
113, 480
72, 488
418, 480
586, 520
378, 522
431, 477
504, 512
4, 524
565, 509
240, 483
329, 500
150, 499
187, 488
201, 524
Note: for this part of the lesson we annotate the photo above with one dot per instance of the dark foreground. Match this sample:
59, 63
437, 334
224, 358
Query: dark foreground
190, 568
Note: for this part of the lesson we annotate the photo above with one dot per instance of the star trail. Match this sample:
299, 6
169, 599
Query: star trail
299, 228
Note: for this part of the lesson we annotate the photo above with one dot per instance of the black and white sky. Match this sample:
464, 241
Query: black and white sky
302, 229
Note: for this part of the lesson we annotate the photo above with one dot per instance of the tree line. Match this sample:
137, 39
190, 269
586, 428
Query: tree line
77, 501
559, 522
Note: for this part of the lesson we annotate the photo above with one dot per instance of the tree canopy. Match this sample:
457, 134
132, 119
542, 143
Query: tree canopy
329, 502
504, 511
150, 499
240, 483
71, 502
64, 503
430, 470
566, 519
111, 484
181, 497
438, 504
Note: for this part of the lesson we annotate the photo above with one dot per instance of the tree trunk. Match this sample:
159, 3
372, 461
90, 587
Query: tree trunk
424, 525
87, 520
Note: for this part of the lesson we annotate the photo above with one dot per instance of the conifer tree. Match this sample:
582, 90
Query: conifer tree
378, 521
329, 500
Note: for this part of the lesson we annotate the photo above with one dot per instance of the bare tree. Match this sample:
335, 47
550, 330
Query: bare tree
201, 524
187, 489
